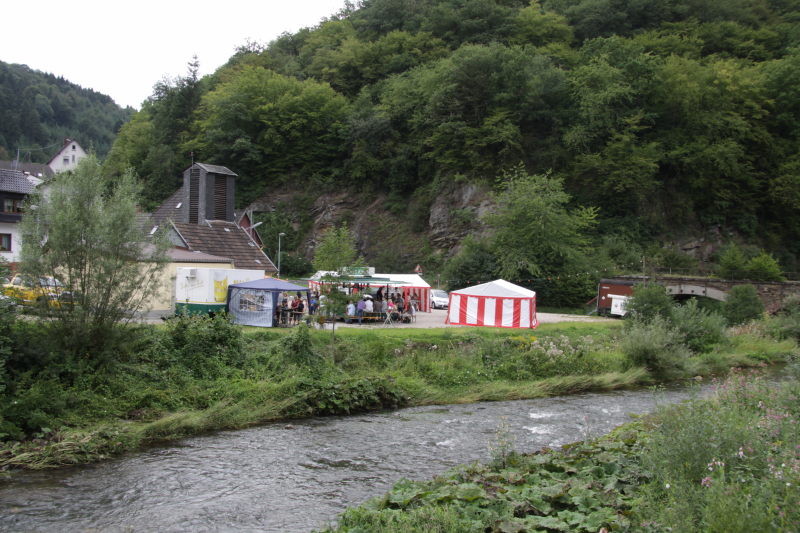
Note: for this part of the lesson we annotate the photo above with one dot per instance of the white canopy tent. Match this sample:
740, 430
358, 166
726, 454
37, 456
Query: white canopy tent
497, 303
407, 286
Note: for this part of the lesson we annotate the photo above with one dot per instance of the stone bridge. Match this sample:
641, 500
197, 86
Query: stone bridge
771, 293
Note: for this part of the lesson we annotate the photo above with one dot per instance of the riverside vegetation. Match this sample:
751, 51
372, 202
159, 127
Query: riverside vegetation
727, 463
196, 374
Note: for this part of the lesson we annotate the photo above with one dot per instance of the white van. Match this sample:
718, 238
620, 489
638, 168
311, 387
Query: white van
439, 299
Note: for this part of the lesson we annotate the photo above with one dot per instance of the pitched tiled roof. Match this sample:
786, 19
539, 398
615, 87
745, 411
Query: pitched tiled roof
145, 221
169, 209
34, 169
225, 239
15, 181
216, 169
181, 255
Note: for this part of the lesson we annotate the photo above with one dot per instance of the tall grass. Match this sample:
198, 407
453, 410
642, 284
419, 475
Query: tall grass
728, 464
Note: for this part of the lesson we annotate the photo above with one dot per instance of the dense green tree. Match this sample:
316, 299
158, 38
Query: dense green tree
742, 305
535, 231
271, 128
38, 111
534, 25
732, 263
649, 302
83, 231
476, 262
764, 267
336, 250
671, 117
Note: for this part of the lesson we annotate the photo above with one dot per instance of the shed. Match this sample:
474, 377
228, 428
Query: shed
497, 303
253, 303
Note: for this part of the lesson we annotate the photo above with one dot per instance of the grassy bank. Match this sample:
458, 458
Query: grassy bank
726, 464
197, 375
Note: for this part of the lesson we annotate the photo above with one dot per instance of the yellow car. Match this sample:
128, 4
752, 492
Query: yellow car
27, 292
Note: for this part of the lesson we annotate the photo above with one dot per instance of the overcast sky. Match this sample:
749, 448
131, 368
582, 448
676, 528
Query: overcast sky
123, 48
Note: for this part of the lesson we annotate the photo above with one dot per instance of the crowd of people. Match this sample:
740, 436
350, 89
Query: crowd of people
292, 308
361, 307
381, 307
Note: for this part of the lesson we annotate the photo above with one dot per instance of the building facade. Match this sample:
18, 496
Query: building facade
68, 157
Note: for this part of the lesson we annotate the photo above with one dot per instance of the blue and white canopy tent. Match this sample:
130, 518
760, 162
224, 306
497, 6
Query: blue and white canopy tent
253, 303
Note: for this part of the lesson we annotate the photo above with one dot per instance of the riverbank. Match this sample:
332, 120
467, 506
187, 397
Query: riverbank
728, 463
194, 375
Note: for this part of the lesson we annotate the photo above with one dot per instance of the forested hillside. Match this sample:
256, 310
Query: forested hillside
38, 111
658, 117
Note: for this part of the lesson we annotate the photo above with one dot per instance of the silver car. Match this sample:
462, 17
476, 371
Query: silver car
439, 299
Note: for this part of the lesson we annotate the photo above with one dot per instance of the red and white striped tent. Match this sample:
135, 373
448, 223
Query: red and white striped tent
497, 303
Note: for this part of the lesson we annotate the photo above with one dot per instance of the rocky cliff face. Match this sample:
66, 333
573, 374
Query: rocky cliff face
456, 213
388, 238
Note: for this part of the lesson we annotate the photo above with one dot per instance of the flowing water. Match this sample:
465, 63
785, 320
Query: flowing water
298, 476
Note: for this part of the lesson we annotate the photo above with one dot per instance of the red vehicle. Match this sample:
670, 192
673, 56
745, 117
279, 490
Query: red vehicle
612, 294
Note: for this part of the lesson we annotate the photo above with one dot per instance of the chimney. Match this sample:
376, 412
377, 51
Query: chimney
209, 193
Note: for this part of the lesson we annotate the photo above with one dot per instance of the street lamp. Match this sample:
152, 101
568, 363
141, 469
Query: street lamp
281, 234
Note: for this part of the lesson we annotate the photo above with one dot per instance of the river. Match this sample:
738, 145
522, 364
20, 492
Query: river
297, 476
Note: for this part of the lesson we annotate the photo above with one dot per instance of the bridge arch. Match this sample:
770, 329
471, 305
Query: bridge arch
682, 289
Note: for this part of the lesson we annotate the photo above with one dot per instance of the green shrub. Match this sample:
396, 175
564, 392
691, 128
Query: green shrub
732, 263
673, 258
206, 346
786, 324
699, 328
34, 407
296, 352
764, 267
350, 395
656, 346
742, 305
648, 302
725, 464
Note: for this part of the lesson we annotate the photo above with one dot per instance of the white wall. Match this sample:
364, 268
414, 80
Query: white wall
13, 229
68, 157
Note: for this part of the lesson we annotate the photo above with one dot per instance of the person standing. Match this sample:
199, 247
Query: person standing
360, 310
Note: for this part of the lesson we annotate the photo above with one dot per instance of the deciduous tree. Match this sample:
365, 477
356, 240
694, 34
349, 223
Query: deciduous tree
84, 232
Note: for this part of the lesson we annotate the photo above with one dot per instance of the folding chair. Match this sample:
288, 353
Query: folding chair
388, 320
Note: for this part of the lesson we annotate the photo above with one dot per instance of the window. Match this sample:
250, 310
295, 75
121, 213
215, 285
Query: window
5, 242
73, 158
73, 146
12, 206
66, 160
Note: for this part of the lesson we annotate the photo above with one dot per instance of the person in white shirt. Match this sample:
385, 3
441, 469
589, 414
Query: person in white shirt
351, 311
368, 308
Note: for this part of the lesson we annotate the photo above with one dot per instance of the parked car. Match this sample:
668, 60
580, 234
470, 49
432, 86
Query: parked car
27, 292
439, 299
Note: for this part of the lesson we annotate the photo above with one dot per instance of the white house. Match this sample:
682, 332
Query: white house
14, 187
67, 158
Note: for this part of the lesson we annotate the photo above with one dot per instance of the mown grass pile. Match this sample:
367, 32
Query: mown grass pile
730, 463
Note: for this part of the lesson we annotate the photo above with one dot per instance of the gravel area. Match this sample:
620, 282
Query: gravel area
436, 318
